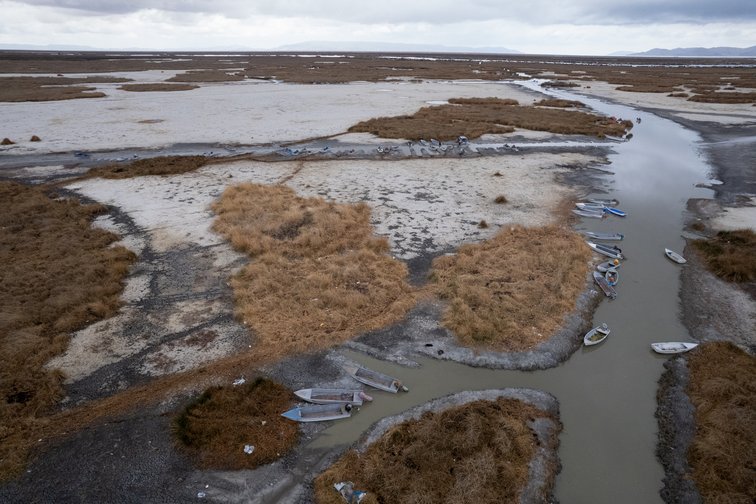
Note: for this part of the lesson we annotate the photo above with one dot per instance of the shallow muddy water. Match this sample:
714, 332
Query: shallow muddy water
607, 393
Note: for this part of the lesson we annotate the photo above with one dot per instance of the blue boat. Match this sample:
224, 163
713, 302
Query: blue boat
615, 211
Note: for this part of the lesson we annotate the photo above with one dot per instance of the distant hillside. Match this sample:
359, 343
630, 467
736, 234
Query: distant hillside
702, 51
389, 47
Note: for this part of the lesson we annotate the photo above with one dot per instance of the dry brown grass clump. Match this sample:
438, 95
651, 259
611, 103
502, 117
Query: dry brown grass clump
730, 255
319, 276
476, 453
554, 102
163, 165
216, 426
501, 199
59, 274
206, 76
18, 89
35, 138
157, 87
7, 141
512, 292
723, 390
475, 117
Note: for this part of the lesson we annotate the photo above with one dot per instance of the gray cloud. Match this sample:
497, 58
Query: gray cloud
440, 11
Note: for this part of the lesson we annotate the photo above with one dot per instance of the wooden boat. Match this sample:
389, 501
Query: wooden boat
604, 285
596, 335
319, 412
589, 214
375, 379
615, 211
674, 256
333, 396
613, 252
606, 266
604, 202
604, 236
673, 347
612, 276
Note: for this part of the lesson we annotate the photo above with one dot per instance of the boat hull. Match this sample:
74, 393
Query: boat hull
604, 285
374, 379
330, 396
674, 256
673, 347
318, 413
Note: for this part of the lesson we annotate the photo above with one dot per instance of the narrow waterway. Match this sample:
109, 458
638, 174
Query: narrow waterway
607, 393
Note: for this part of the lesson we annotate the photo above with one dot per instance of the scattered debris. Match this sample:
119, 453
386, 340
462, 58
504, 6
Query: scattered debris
239, 381
249, 449
347, 491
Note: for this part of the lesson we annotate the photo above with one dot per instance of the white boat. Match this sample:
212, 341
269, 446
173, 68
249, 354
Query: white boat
673, 347
604, 202
674, 256
606, 266
375, 379
604, 236
590, 214
333, 396
604, 285
596, 335
591, 207
613, 252
319, 412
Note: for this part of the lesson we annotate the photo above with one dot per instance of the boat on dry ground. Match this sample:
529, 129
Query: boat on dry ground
609, 251
604, 285
604, 202
674, 256
333, 396
589, 213
604, 236
673, 347
374, 379
319, 412
596, 335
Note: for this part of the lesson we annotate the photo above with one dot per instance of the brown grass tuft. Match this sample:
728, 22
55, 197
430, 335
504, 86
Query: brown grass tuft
483, 224
157, 87
501, 199
478, 116
723, 390
554, 102
19, 89
320, 275
475, 453
206, 76
730, 255
216, 426
7, 141
163, 165
35, 138
59, 274
512, 292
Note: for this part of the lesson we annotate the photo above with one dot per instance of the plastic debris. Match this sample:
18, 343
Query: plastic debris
201, 495
239, 381
347, 491
249, 449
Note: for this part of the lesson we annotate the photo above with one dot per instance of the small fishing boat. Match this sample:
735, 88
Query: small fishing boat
319, 412
604, 202
375, 379
613, 251
674, 256
606, 266
591, 207
604, 285
589, 214
615, 211
673, 347
604, 236
596, 335
612, 276
333, 396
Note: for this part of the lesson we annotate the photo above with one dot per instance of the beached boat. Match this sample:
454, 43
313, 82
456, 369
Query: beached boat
591, 207
333, 396
604, 202
375, 379
615, 211
674, 256
589, 214
319, 412
604, 236
606, 266
596, 335
604, 285
672, 347
613, 252
612, 276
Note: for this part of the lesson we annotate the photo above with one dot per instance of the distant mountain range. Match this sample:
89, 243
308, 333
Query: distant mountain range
731, 52
383, 47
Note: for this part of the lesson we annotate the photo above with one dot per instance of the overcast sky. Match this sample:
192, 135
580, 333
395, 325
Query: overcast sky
532, 26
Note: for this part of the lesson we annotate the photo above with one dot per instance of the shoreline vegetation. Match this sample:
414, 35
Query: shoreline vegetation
696, 82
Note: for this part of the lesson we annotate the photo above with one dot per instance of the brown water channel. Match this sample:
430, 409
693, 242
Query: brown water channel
607, 393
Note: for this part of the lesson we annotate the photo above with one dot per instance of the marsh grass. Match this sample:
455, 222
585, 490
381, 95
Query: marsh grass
722, 389
319, 275
214, 428
206, 76
512, 292
554, 102
476, 453
731, 255
162, 165
59, 274
19, 89
478, 116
